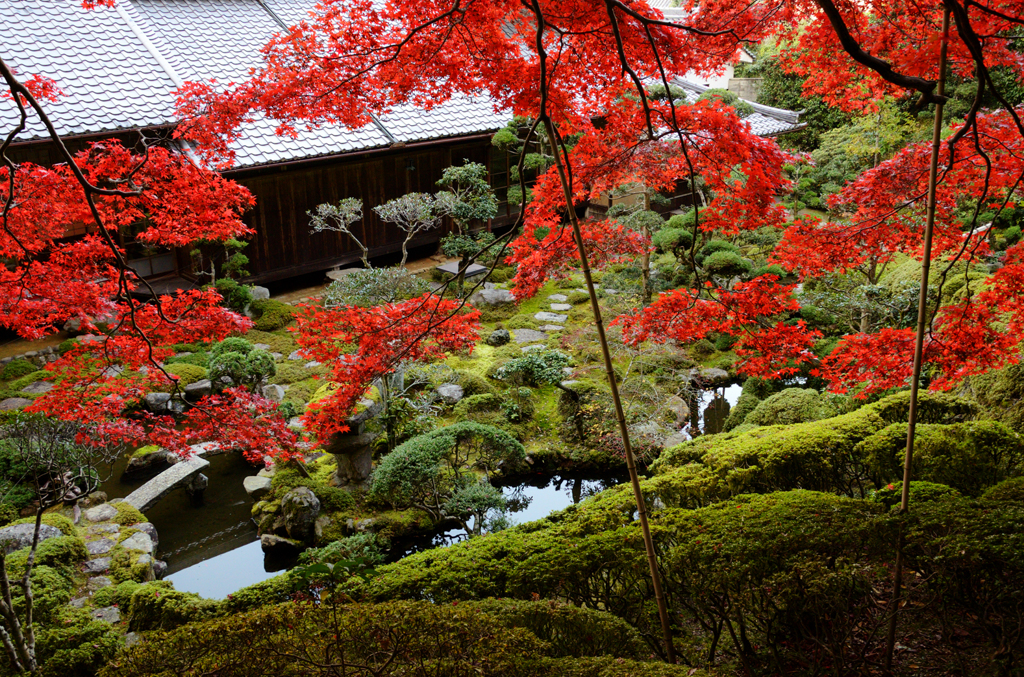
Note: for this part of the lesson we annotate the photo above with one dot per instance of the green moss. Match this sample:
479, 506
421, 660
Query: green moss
158, 606
293, 372
475, 384
301, 392
199, 359
75, 645
116, 595
142, 452
187, 374
475, 404
125, 566
53, 519
280, 341
127, 514
271, 314
745, 404
63, 552
16, 369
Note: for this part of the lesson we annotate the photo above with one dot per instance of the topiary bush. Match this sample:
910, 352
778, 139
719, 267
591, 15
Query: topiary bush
745, 404
577, 298
792, 405
970, 457
726, 264
1008, 491
236, 296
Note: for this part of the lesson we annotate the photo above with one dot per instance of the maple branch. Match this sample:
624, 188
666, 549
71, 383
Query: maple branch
884, 69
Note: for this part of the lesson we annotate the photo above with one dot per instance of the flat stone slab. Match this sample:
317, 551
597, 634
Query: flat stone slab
534, 347
561, 307
140, 542
452, 268
38, 388
257, 487
12, 403
528, 335
100, 547
101, 513
146, 496
558, 298
97, 566
99, 581
551, 327
545, 316
108, 614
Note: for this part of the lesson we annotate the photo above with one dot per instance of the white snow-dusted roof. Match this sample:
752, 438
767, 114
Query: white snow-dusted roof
118, 68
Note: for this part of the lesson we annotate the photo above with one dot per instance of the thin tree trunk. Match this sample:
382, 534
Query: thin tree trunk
645, 261
922, 319
652, 557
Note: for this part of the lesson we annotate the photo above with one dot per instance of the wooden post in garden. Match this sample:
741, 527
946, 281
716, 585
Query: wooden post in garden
641, 507
922, 323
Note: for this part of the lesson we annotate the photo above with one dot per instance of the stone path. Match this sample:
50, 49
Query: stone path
553, 322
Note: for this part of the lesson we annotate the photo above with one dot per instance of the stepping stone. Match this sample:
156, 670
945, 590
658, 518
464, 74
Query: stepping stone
295, 356
528, 335
38, 388
261, 346
140, 542
103, 529
12, 403
544, 316
97, 566
552, 327
534, 347
100, 547
562, 307
277, 356
101, 513
108, 614
558, 298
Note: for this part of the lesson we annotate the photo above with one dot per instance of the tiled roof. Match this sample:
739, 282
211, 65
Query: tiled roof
109, 79
765, 121
118, 68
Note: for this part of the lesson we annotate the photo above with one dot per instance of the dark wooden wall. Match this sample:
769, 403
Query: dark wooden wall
283, 245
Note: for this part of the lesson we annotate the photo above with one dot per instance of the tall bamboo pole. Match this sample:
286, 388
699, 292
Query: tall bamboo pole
922, 325
652, 557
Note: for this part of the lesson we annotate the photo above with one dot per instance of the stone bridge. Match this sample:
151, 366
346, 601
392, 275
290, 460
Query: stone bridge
186, 472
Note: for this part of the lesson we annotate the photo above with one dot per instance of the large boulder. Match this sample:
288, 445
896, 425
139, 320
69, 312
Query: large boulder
19, 536
492, 297
498, 337
257, 487
300, 509
450, 393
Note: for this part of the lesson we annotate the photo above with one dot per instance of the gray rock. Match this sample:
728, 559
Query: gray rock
529, 335
678, 409
152, 491
545, 316
561, 307
311, 364
612, 292
256, 487
157, 402
140, 542
498, 337
101, 513
299, 511
261, 346
201, 388
97, 566
103, 529
108, 614
150, 530
259, 293
558, 298
714, 375
295, 423
198, 483
184, 353
100, 547
296, 356
277, 356
98, 582
492, 297
131, 639
38, 388
551, 327
536, 347
159, 568
12, 403
20, 536
273, 392
279, 545
79, 602
450, 393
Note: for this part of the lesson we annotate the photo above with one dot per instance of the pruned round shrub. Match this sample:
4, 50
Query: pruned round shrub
674, 240
726, 264
236, 296
1008, 491
792, 405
